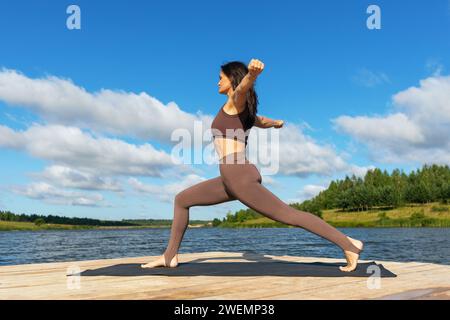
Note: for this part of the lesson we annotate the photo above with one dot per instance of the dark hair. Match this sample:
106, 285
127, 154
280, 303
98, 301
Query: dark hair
236, 71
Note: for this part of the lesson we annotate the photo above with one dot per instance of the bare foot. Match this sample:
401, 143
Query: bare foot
160, 262
351, 257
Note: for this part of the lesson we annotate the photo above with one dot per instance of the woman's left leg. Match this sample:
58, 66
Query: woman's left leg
208, 192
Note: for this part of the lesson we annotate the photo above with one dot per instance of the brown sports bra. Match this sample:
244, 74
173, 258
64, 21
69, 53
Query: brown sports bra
231, 125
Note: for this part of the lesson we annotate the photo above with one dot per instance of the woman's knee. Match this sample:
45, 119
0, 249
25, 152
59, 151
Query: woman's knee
181, 200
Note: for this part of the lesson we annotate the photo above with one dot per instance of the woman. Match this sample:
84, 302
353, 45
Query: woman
240, 179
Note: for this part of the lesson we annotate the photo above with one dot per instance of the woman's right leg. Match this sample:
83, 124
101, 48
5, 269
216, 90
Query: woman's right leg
208, 192
244, 182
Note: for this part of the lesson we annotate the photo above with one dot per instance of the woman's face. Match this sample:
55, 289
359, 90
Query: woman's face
224, 83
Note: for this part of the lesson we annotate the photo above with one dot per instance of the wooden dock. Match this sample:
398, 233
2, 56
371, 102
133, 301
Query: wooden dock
225, 275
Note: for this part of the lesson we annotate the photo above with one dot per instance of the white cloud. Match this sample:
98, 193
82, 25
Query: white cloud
10, 138
359, 171
72, 178
428, 104
92, 162
419, 131
167, 192
269, 180
50, 194
71, 147
300, 155
308, 192
311, 190
392, 129
60, 101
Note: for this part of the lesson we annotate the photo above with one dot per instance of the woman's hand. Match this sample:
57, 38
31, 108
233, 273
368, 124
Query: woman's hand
278, 123
255, 67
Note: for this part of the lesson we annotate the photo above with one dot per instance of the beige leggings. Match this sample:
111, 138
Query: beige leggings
240, 180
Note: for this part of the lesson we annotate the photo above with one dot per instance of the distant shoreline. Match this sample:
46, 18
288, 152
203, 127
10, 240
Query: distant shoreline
432, 215
29, 226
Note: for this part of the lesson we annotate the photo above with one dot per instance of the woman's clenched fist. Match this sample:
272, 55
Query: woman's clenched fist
255, 67
278, 123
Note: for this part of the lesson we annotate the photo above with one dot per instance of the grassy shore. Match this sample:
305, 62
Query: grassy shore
426, 215
29, 226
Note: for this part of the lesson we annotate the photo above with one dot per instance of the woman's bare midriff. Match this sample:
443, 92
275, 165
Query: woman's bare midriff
225, 146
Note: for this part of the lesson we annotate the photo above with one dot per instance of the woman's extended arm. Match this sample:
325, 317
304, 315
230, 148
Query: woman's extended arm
264, 122
255, 67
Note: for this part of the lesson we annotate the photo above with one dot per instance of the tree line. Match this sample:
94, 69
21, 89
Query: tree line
378, 188
40, 219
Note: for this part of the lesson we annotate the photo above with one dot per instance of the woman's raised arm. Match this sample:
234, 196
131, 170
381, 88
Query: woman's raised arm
255, 67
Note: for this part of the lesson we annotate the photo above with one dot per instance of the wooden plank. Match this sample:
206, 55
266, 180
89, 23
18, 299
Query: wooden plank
358, 288
313, 287
49, 281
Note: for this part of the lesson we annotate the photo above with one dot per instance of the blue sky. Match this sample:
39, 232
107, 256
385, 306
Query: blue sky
353, 98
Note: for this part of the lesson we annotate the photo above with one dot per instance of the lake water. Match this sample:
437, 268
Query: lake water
391, 244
